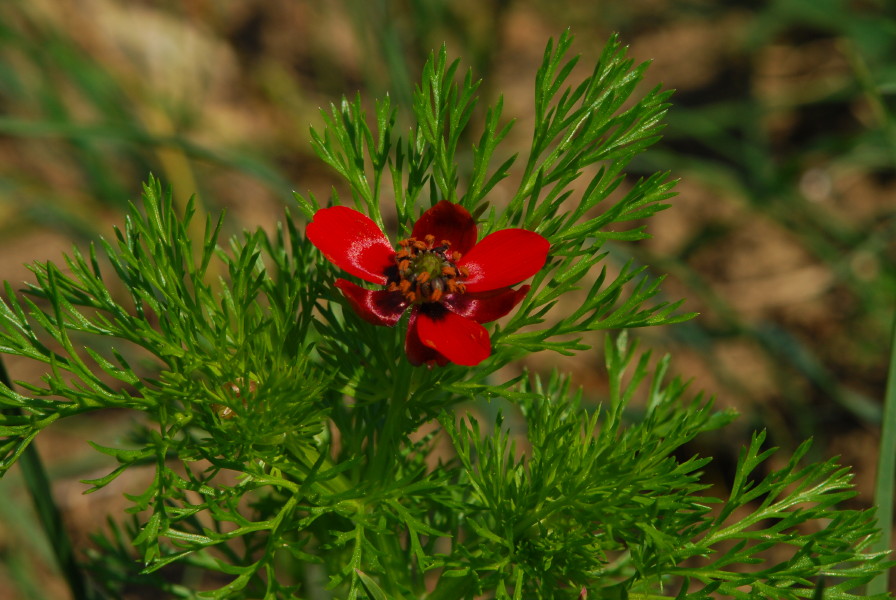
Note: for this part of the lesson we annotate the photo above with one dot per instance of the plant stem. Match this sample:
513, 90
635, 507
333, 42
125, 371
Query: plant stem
38, 485
886, 460
886, 469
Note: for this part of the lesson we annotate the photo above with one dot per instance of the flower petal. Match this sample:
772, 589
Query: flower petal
504, 258
484, 307
374, 306
447, 221
460, 340
352, 242
419, 354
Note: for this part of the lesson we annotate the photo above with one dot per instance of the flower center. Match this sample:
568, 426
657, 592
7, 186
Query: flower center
426, 271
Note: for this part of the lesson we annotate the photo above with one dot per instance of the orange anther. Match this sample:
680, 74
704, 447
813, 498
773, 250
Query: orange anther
430, 238
423, 277
448, 271
436, 294
420, 245
455, 256
404, 286
403, 265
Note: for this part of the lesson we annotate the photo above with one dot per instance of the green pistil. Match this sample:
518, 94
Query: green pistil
428, 262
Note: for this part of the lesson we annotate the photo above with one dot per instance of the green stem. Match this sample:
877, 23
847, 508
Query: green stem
886, 470
38, 485
886, 465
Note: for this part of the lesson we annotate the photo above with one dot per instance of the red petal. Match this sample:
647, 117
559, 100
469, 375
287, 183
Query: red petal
352, 242
447, 221
419, 354
504, 258
460, 340
374, 306
484, 307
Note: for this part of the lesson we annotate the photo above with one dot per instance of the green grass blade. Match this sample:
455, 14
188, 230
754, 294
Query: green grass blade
886, 469
39, 489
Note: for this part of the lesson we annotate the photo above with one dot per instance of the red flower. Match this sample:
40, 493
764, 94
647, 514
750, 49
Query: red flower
451, 283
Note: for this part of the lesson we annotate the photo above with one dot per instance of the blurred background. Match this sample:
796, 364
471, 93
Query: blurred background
782, 132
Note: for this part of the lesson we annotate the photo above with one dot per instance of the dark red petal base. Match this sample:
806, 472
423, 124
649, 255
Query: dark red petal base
447, 221
374, 306
484, 307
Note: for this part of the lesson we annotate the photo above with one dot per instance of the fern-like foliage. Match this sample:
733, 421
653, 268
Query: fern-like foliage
607, 506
